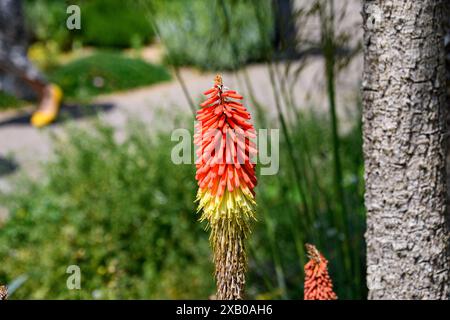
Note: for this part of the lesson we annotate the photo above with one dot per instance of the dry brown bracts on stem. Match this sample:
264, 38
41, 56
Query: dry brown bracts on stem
226, 178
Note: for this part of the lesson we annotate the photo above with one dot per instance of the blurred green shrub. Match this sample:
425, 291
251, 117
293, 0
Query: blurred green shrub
46, 22
122, 212
105, 72
114, 23
104, 23
125, 214
215, 34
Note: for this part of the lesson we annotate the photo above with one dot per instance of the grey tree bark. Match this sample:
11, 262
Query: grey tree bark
404, 127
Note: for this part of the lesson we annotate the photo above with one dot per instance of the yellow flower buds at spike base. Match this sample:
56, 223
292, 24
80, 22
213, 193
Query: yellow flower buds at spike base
226, 179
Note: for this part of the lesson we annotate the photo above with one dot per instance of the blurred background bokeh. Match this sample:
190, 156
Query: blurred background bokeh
98, 188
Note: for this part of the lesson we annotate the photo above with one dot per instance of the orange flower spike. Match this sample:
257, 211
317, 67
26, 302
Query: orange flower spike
318, 284
223, 134
226, 179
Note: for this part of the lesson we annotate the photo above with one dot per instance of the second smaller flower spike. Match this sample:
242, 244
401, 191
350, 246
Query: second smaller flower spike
318, 285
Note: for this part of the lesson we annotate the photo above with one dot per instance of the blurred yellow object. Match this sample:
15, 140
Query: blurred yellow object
42, 118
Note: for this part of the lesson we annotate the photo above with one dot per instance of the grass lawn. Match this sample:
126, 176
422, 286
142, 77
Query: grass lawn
125, 214
105, 72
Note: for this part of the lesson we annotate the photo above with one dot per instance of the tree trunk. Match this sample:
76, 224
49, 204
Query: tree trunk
404, 120
447, 65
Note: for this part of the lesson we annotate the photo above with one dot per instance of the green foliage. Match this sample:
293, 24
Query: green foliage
46, 21
215, 34
105, 72
122, 212
125, 214
104, 23
100, 73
